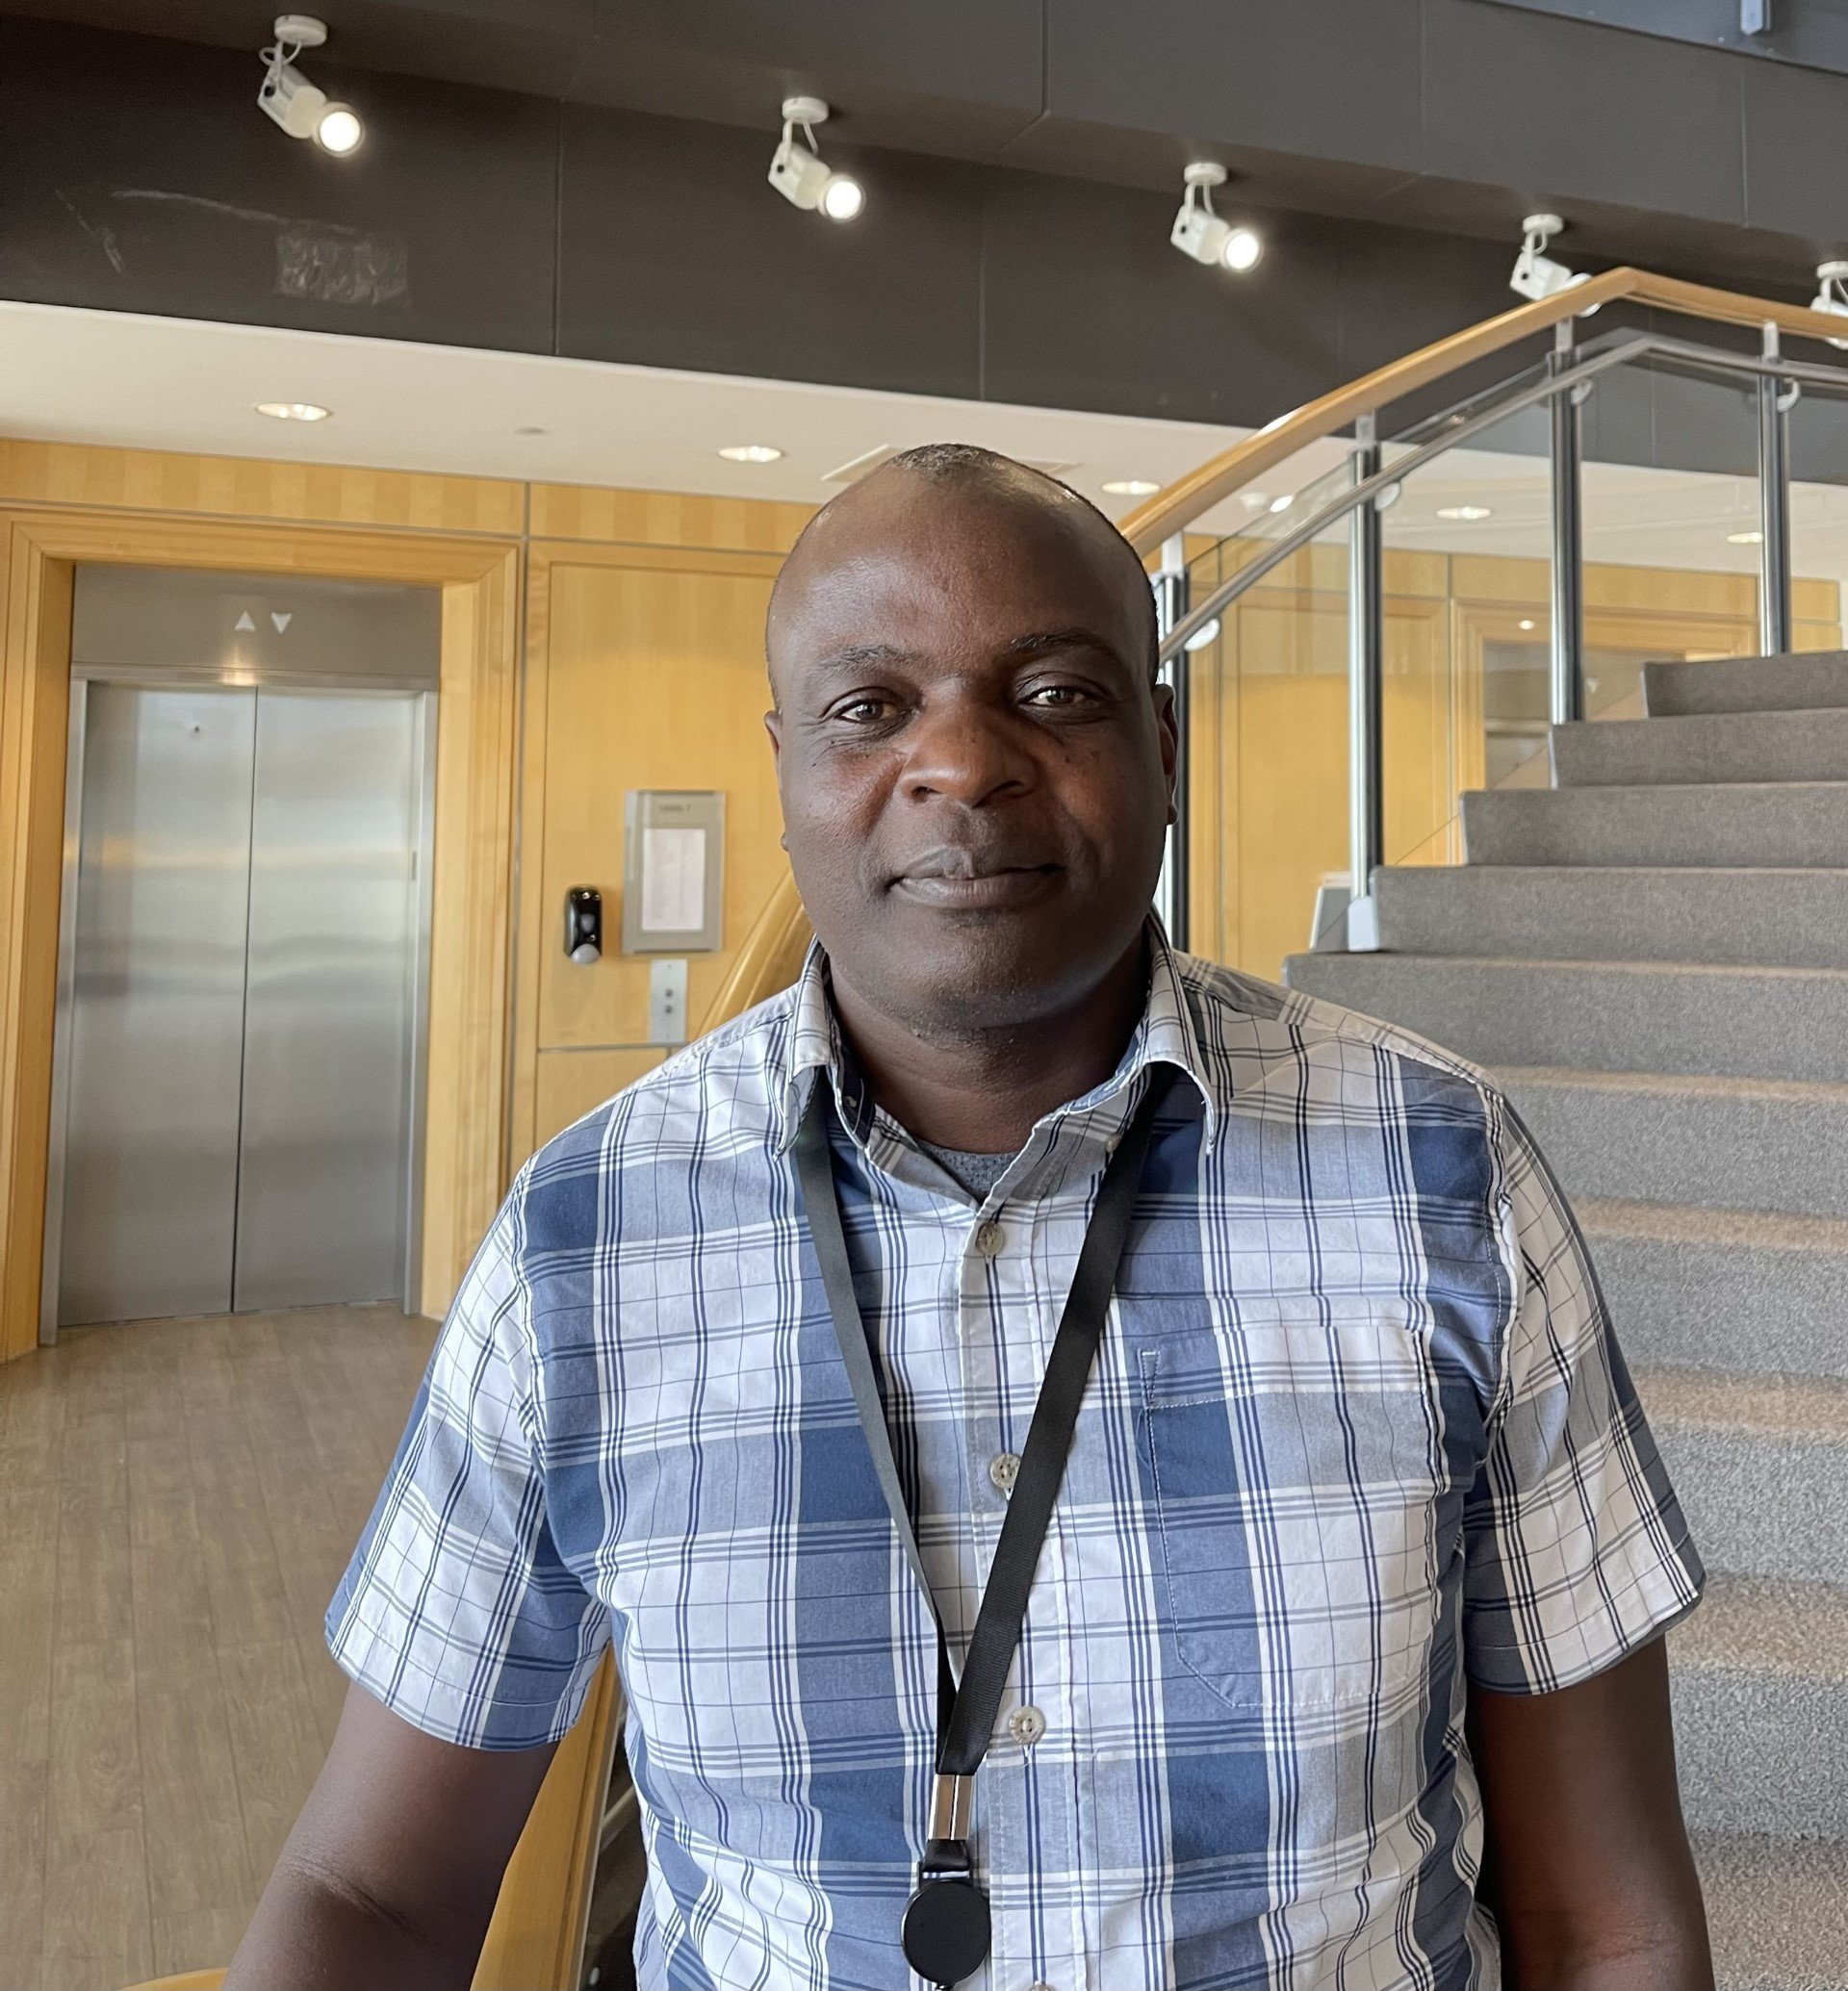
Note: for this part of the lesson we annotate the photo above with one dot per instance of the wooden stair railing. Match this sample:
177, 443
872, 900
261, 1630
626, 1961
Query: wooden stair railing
535, 1942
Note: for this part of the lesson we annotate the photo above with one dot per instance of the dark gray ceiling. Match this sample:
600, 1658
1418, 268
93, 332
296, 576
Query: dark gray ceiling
1453, 115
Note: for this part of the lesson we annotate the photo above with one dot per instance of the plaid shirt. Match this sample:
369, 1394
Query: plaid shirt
1358, 1435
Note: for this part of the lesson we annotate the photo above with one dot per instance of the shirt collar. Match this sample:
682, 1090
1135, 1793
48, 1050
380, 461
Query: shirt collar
1164, 1034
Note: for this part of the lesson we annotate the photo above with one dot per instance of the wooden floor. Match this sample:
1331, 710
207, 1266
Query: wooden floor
177, 1501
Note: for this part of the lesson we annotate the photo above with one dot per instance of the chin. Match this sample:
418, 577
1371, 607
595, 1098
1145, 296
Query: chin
969, 974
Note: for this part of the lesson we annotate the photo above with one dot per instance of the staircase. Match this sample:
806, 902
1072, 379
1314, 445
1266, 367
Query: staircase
1652, 957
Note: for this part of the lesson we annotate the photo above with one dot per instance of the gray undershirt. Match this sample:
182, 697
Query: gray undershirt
978, 1174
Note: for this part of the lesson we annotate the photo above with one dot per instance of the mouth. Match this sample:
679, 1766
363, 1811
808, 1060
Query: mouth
956, 881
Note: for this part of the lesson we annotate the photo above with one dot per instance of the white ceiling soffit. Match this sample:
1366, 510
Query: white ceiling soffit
154, 383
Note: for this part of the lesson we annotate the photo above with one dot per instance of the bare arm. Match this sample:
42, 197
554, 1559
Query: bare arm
1589, 1869
388, 1881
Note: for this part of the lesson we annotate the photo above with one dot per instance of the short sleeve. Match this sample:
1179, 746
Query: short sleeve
456, 1610
1576, 1550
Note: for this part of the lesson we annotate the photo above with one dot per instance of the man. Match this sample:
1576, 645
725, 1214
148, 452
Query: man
1358, 1564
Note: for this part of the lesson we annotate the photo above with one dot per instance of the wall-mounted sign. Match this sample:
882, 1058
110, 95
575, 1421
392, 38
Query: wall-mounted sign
672, 870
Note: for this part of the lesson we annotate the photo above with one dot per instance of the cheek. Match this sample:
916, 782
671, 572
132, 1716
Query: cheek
829, 815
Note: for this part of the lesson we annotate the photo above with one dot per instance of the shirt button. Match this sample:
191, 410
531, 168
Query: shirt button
1026, 1724
987, 1238
1005, 1470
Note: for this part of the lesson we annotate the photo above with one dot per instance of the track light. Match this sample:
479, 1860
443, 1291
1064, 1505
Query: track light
1832, 296
1199, 232
1536, 274
797, 173
293, 102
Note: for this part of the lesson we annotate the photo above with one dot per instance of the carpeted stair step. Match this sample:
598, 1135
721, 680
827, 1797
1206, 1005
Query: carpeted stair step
1794, 919
1809, 680
1746, 824
1724, 747
1745, 1291
1777, 1910
1761, 1685
1770, 1023
1717, 1143
1760, 1463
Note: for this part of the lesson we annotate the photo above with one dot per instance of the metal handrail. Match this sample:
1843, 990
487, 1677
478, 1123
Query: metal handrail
1338, 507
1486, 410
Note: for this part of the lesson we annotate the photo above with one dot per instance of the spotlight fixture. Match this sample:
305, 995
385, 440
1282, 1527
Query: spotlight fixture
1833, 295
287, 98
1209, 238
749, 453
1131, 487
1536, 274
1468, 513
797, 173
294, 411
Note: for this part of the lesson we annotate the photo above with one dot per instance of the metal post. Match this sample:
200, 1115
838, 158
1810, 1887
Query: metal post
1170, 604
1774, 509
1568, 677
1366, 683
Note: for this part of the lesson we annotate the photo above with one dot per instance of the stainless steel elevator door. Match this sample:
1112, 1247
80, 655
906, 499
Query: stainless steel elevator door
322, 1202
156, 1029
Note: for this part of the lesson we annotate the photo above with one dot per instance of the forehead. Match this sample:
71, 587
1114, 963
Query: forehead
931, 568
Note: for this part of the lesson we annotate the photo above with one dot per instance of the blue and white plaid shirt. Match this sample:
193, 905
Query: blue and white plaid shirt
1358, 1435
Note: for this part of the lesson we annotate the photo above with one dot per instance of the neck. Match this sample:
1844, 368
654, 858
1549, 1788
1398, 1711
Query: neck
983, 1090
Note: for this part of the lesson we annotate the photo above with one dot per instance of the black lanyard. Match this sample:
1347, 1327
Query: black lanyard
946, 1931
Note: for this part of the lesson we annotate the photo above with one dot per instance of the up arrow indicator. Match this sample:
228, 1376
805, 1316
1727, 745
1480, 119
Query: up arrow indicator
243, 621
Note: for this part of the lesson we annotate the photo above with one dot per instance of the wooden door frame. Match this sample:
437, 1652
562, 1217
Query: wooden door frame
464, 1144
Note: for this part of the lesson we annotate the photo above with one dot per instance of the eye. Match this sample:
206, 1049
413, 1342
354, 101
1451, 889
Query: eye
864, 708
1056, 697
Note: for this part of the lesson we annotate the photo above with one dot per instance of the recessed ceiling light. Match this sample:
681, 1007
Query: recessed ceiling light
1207, 633
751, 452
1469, 513
1281, 504
1528, 623
1745, 539
529, 428
294, 411
1131, 487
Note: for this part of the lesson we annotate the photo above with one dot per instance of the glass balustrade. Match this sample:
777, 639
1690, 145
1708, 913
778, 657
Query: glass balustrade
1669, 534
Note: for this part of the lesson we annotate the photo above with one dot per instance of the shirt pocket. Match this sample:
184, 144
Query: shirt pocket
1294, 1469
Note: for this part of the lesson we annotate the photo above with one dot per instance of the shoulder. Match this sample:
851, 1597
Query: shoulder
1255, 1034
715, 1102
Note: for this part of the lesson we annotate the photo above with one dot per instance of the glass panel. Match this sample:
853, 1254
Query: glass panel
1672, 540
1818, 519
1269, 752
1467, 584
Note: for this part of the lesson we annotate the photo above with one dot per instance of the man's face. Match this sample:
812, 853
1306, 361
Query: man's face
975, 769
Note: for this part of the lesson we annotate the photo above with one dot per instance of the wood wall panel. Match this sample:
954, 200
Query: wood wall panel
570, 1084
666, 518
645, 670
236, 487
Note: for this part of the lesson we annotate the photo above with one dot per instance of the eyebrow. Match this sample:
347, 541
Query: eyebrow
854, 655
1040, 641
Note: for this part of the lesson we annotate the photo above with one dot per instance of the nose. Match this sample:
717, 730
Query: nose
966, 753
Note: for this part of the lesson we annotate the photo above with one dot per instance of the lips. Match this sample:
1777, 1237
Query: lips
961, 880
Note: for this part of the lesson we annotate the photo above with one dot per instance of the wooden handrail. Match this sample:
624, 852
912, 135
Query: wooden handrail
1176, 507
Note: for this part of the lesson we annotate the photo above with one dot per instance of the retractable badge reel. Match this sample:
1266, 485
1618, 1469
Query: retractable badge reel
946, 1931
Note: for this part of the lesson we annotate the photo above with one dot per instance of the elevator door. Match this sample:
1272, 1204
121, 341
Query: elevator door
243, 1001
